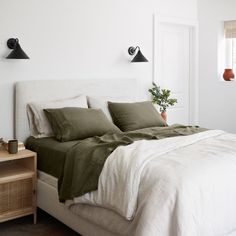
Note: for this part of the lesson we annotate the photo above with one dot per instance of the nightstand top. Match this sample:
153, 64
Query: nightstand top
5, 156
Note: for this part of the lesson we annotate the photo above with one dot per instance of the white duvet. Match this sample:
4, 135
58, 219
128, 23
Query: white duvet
181, 186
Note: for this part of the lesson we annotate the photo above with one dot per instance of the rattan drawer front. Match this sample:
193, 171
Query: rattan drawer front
16, 195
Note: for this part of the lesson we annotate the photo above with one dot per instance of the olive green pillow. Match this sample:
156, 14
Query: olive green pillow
72, 123
133, 116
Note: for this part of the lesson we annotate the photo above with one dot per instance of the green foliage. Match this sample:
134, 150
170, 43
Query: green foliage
161, 97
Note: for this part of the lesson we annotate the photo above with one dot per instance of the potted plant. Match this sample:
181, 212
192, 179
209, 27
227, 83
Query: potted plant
161, 98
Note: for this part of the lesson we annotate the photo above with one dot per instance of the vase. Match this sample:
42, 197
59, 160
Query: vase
228, 75
164, 116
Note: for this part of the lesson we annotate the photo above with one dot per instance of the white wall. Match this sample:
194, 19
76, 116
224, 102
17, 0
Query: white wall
217, 98
68, 39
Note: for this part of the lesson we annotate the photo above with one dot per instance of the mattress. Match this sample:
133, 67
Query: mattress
51, 154
46, 178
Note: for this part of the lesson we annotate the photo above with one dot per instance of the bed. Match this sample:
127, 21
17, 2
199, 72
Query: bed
189, 202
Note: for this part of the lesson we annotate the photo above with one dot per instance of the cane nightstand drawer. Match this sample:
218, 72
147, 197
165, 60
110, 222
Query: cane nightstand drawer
16, 195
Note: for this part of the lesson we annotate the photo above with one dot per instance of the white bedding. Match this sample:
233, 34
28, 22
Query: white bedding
183, 186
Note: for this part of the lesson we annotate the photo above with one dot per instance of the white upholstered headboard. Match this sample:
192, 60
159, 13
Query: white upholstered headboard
46, 90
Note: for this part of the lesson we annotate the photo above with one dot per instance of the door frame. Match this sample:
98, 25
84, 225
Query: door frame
193, 65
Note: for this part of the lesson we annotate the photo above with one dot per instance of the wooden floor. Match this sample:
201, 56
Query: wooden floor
46, 226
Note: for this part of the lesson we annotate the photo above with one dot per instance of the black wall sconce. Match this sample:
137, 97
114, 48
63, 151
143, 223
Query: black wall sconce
139, 57
17, 52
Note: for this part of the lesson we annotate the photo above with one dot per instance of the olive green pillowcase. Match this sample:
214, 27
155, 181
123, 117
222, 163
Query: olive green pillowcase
72, 123
133, 116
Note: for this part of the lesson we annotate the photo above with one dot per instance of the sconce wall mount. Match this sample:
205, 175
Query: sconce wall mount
139, 57
11, 43
17, 52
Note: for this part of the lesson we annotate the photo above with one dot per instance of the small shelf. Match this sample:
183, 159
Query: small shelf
11, 171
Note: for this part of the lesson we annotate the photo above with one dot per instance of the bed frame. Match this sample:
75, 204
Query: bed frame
44, 90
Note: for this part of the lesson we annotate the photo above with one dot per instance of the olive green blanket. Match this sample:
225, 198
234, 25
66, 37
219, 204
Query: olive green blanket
85, 159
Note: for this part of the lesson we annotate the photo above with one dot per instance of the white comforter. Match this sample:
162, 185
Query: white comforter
182, 186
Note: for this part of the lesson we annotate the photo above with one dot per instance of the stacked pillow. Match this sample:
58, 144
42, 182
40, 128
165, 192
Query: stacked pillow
71, 119
38, 122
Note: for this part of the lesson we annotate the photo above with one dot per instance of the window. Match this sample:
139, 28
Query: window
230, 44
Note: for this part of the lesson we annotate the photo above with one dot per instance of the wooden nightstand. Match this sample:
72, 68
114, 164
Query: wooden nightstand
17, 184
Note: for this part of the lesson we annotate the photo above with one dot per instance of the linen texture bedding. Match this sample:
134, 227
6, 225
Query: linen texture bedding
178, 186
73, 123
51, 154
136, 115
85, 160
38, 123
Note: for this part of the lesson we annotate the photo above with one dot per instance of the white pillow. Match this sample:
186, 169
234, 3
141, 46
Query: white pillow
38, 122
100, 103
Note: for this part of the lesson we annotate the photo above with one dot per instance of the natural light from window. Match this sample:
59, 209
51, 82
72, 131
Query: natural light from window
230, 44
230, 53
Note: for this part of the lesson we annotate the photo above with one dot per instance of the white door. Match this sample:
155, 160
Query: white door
173, 68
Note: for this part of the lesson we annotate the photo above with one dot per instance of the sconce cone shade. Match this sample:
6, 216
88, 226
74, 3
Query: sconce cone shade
139, 57
17, 52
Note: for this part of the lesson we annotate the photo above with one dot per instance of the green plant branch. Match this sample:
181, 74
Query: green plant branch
161, 97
